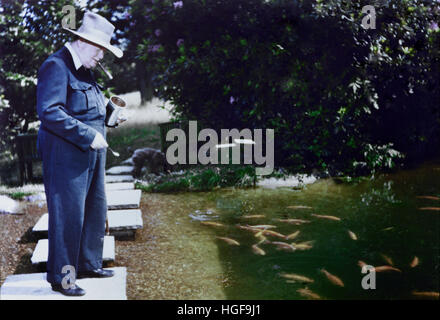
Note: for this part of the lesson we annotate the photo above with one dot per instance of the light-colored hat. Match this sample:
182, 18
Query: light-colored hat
97, 29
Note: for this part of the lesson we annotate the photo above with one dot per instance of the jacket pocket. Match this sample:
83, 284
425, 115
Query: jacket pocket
81, 97
100, 101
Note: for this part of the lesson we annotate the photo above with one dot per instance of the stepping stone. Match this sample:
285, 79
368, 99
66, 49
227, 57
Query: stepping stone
124, 220
118, 178
128, 162
119, 186
33, 286
120, 170
118, 220
41, 251
10, 206
42, 225
123, 199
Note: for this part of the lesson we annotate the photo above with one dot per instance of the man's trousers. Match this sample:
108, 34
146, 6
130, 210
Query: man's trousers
75, 191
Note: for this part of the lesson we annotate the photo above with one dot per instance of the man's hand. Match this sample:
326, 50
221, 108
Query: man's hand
120, 120
121, 117
99, 142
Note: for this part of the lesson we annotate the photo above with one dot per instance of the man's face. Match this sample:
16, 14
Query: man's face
90, 53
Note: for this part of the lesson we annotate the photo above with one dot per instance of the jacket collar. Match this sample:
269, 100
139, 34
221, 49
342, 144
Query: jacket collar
76, 61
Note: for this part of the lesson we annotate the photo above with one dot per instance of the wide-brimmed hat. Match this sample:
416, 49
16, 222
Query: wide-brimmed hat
98, 30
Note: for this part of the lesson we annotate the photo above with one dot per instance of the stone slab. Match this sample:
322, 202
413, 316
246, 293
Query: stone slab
118, 220
123, 199
128, 162
120, 170
123, 220
33, 286
42, 224
10, 206
118, 178
119, 186
41, 251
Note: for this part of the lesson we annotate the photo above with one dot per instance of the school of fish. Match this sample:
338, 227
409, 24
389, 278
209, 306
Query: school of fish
262, 231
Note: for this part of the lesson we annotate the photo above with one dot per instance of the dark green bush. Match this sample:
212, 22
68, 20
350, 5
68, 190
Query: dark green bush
307, 69
200, 179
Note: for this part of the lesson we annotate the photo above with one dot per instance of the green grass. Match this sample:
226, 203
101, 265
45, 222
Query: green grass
19, 195
201, 179
127, 138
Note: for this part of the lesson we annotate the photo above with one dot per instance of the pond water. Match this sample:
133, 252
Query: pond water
383, 213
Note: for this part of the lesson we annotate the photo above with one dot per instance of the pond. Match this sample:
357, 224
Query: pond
374, 221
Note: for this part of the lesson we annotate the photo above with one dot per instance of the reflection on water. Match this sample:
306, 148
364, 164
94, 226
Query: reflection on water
203, 215
381, 224
381, 195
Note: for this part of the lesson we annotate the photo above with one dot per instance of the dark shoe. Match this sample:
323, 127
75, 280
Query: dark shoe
97, 273
71, 292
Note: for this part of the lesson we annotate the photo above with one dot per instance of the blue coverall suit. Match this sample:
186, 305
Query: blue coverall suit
71, 108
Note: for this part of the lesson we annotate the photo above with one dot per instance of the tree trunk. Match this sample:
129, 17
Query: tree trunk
145, 86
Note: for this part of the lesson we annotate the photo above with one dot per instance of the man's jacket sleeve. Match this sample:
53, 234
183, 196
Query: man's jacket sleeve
51, 106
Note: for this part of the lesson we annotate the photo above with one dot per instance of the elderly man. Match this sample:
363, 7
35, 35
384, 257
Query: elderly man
72, 144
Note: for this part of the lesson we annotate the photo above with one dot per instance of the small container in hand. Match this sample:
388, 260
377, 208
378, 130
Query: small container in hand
114, 107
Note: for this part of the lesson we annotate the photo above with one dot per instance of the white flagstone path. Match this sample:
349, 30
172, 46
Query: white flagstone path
33, 286
119, 186
120, 170
117, 178
123, 199
118, 220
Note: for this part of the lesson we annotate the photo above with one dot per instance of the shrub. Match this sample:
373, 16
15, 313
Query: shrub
307, 69
200, 179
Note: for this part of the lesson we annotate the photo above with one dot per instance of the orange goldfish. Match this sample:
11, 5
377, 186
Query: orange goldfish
257, 250
308, 294
299, 207
426, 294
274, 234
263, 226
292, 235
248, 228
254, 216
212, 223
429, 197
326, 217
293, 221
284, 246
414, 262
387, 259
229, 241
430, 208
296, 277
352, 235
332, 278
385, 269
303, 245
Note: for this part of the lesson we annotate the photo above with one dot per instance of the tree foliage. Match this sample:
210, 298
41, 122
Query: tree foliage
29, 32
340, 97
334, 92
